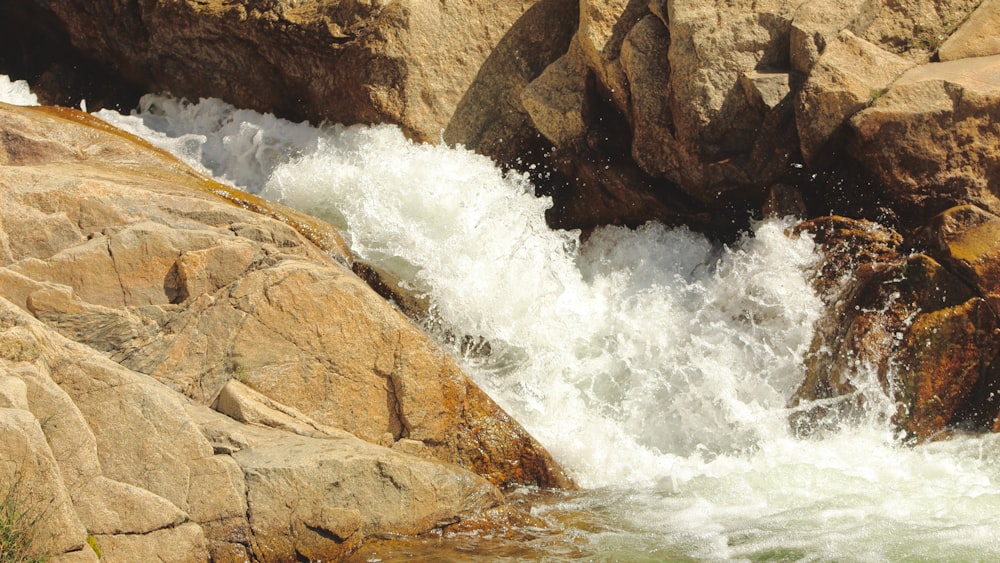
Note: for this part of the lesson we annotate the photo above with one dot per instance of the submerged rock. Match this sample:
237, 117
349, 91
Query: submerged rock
133, 289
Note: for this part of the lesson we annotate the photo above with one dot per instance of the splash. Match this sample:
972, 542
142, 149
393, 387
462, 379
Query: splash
16, 92
654, 363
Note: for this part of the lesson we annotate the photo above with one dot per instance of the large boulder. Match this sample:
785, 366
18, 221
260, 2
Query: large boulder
932, 139
132, 289
407, 62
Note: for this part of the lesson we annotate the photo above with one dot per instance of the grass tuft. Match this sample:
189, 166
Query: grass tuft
17, 528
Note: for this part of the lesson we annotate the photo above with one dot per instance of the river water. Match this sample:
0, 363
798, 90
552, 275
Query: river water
654, 364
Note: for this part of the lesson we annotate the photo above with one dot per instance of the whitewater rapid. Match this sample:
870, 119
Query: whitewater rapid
653, 363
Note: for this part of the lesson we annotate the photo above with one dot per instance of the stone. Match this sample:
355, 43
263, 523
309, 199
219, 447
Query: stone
490, 119
647, 68
967, 239
33, 489
850, 75
556, 102
976, 37
160, 281
183, 544
931, 139
337, 491
406, 62
817, 23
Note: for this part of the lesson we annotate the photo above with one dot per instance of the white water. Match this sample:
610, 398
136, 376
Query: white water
16, 92
654, 364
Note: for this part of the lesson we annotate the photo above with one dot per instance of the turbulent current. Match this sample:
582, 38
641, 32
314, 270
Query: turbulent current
653, 363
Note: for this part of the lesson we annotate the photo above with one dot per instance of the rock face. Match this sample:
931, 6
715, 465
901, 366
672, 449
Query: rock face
407, 62
920, 328
135, 298
691, 112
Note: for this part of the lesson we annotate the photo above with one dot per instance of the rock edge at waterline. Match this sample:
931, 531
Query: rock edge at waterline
184, 371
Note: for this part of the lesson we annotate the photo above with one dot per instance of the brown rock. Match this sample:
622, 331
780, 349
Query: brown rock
817, 23
967, 239
932, 139
911, 327
976, 37
406, 62
850, 75
223, 293
943, 357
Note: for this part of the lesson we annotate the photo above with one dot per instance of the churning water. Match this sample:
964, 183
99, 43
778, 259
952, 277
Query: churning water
652, 363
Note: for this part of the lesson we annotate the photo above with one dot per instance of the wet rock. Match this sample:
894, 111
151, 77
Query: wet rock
915, 328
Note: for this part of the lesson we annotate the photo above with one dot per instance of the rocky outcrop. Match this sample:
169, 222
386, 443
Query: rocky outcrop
920, 328
693, 113
183, 376
408, 62
931, 139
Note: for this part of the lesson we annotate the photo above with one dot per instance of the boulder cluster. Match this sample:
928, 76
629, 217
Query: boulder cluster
189, 377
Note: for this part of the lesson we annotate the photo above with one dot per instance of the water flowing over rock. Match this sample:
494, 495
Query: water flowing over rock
135, 296
920, 328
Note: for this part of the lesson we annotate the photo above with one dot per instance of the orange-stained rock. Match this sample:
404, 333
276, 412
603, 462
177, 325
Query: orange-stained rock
903, 326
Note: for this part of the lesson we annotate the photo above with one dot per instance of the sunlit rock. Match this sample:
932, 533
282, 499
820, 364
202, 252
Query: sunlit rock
406, 62
142, 267
976, 37
932, 138
851, 74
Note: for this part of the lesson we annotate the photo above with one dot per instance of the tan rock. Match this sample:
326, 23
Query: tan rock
556, 101
932, 140
916, 28
490, 118
976, 37
817, 23
183, 544
406, 62
375, 491
850, 75
33, 489
644, 61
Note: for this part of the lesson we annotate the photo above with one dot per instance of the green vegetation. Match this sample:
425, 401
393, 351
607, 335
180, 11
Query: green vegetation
92, 542
17, 527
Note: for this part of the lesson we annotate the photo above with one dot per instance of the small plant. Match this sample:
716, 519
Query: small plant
17, 529
875, 93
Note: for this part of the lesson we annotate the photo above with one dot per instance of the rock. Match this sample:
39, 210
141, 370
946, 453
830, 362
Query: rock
976, 37
32, 493
406, 62
183, 544
647, 69
944, 356
967, 239
931, 139
905, 327
490, 118
817, 23
338, 491
850, 75
556, 101
142, 268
